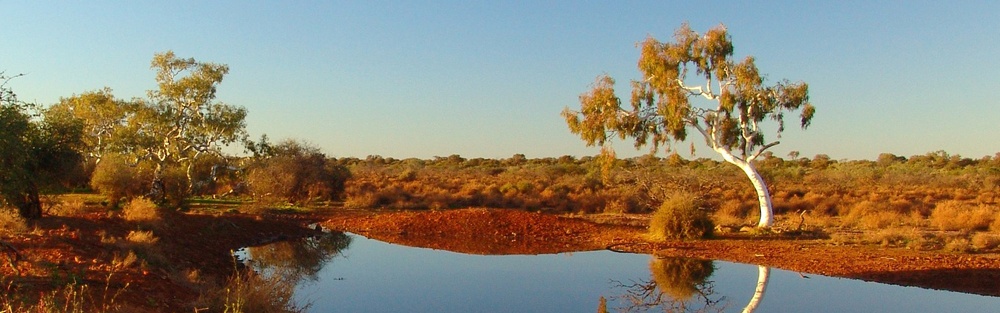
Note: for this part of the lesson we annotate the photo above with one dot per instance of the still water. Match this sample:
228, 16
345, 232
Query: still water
350, 273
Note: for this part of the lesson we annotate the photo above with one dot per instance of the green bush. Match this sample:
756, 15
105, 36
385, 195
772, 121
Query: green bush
117, 180
680, 217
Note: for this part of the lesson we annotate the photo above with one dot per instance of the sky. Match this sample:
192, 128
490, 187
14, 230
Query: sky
489, 78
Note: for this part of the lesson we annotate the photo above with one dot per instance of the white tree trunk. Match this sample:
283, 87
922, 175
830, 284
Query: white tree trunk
763, 275
763, 196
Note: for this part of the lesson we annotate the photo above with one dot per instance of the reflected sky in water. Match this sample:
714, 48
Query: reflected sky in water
372, 276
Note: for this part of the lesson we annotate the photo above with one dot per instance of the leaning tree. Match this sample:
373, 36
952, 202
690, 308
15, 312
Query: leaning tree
726, 106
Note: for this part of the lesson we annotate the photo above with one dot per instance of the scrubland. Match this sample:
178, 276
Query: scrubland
97, 252
928, 202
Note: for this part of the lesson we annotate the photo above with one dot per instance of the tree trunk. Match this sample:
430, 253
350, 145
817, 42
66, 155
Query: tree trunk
30, 206
157, 191
763, 196
763, 275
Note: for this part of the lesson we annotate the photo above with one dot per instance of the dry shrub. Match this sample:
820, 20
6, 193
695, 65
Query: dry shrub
126, 261
361, 201
143, 243
958, 244
995, 225
985, 241
896, 237
68, 208
143, 211
872, 215
955, 215
680, 217
735, 208
11, 222
142, 238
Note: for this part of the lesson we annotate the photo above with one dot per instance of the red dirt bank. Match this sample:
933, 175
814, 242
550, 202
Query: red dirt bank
482, 231
63, 247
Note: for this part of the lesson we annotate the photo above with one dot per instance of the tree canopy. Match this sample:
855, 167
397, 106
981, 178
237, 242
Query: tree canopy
727, 109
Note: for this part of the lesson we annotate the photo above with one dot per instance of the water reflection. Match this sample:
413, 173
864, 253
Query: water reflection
763, 275
297, 260
675, 285
374, 279
681, 285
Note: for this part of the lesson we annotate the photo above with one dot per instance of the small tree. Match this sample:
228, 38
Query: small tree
663, 104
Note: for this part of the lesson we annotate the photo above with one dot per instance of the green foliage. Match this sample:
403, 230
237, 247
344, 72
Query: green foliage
117, 180
34, 153
102, 117
661, 107
680, 217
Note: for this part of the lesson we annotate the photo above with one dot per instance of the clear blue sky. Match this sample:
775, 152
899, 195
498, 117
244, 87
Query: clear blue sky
488, 79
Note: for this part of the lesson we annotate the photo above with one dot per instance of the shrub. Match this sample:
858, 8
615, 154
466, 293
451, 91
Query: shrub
11, 222
68, 208
954, 215
117, 180
143, 243
143, 211
297, 173
985, 241
680, 217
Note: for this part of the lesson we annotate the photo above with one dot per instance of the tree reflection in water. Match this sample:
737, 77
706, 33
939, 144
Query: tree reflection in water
295, 260
677, 285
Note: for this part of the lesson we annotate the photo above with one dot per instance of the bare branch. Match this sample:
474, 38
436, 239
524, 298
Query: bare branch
762, 149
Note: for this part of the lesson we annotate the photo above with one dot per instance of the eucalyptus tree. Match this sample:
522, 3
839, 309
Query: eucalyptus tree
724, 99
104, 118
182, 121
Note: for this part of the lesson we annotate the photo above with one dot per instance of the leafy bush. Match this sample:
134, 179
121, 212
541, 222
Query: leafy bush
680, 217
297, 173
117, 180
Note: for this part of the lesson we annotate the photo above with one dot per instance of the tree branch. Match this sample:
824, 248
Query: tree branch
761, 151
698, 91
